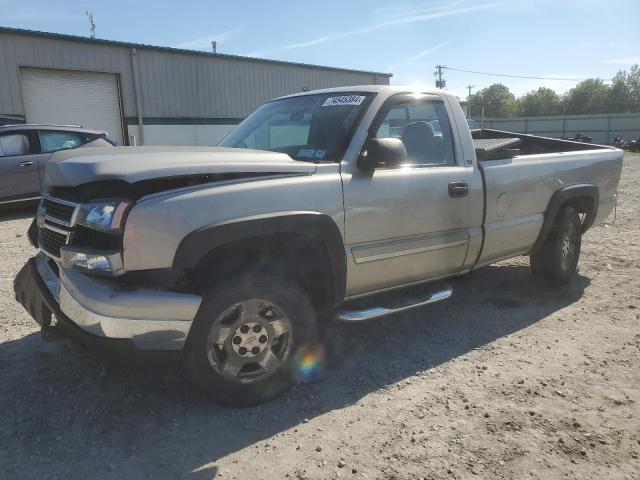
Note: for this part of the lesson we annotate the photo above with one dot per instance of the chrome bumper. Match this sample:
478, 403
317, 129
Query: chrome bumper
152, 319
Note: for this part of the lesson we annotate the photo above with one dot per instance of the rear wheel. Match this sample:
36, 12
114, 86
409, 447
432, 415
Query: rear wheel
246, 337
556, 261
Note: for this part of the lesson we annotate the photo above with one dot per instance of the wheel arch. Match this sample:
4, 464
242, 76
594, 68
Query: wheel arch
308, 245
583, 197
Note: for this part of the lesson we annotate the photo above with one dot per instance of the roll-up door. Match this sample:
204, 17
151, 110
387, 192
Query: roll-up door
63, 97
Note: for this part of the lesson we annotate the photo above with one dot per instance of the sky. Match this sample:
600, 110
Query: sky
550, 39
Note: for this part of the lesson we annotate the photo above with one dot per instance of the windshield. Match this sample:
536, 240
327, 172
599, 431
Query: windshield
312, 128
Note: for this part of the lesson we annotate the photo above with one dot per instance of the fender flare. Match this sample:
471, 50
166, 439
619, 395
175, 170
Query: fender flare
196, 245
584, 192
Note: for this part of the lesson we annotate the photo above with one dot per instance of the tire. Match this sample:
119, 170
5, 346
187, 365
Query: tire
555, 263
232, 322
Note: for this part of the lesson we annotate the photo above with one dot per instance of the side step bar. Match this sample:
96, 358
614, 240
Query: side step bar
394, 302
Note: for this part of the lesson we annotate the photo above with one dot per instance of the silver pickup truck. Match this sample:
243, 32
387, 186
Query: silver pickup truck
321, 205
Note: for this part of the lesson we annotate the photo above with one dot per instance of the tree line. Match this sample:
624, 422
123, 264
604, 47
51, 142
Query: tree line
590, 96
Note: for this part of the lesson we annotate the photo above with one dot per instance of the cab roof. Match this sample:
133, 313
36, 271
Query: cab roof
38, 126
386, 89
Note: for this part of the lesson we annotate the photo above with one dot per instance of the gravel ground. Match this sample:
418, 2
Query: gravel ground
502, 381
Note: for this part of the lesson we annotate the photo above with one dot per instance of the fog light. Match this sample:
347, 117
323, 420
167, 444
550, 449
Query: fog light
90, 261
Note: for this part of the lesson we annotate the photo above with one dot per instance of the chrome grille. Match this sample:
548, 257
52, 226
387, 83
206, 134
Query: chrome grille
56, 218
50, 240
58, 210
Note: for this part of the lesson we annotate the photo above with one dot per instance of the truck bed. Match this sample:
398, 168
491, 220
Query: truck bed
521, 173
495, 144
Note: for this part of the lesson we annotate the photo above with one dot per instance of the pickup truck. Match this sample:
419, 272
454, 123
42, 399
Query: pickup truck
323, 205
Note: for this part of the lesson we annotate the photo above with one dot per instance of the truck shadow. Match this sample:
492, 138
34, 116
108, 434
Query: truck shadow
59, 401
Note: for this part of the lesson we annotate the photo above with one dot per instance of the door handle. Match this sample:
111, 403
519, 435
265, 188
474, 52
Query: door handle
458, 189
26, 163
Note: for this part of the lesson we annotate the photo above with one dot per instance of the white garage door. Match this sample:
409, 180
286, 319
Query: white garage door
72, 98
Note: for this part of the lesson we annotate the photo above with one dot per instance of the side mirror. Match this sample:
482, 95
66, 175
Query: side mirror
382, 152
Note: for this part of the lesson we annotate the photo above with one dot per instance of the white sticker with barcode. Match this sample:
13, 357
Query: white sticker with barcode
344, 100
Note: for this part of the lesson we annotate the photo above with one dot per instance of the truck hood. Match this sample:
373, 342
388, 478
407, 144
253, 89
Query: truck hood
133, 164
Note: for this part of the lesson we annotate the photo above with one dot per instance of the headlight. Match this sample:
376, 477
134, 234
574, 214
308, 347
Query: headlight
107, 215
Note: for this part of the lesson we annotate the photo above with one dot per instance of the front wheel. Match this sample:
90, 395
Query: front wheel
244, 342
556, 261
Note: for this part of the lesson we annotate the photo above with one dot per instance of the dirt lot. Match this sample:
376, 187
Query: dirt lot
502, 381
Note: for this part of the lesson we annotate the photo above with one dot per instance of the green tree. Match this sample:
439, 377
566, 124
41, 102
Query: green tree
497, 101
632, 88
589, 96
619, 94
539, 103
633, 83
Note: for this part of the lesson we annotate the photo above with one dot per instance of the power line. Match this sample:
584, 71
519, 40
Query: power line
516, 76
469, 87
438, 73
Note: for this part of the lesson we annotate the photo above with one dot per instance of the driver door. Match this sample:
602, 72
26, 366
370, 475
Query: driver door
406, 224
19, 167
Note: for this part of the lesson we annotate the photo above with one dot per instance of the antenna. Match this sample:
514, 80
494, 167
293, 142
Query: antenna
92, 23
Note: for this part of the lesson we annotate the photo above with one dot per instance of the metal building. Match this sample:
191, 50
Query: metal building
144, 94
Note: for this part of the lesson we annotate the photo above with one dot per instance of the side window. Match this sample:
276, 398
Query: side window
13, 144
425, 131
51, 141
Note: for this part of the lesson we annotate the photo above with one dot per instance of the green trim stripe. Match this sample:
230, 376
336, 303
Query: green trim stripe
183, 121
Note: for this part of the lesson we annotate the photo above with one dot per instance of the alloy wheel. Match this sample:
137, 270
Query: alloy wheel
249, 341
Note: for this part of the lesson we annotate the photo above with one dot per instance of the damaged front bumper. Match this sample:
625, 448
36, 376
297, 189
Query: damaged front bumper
101, 315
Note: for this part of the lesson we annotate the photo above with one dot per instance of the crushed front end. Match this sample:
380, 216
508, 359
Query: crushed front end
76, 286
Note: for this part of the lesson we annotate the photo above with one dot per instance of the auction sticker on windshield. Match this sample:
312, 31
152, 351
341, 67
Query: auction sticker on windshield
344, 100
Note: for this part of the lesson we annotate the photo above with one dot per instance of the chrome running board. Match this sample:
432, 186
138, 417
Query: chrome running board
394, 302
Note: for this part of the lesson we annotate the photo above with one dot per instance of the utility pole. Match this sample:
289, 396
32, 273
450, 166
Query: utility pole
469, 87
440, 83
92, 23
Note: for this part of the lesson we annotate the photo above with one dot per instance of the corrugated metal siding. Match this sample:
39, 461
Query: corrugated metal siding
20, 50
171, 84
185, 86
601, 128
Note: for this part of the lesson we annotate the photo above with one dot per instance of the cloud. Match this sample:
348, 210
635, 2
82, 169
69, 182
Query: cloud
398, 16
400, 11
13, 11
417, 56
605, 44
623, 61
204, 43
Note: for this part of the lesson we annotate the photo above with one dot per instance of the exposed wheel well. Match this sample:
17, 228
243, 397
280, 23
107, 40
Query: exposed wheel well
299, 256
583, 197
585, 205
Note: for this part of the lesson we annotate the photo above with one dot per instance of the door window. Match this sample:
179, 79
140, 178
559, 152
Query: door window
51, 141
424, 129
14, 144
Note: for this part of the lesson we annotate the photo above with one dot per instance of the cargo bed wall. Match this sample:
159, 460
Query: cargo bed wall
532, 145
